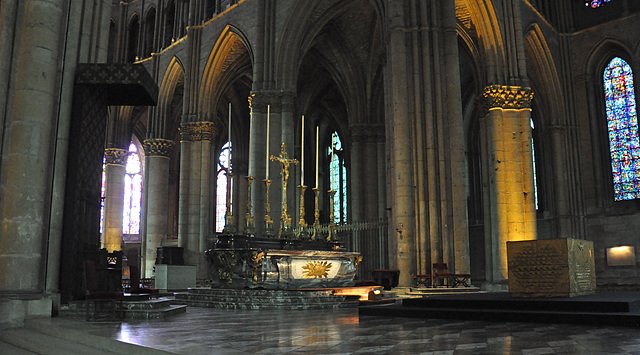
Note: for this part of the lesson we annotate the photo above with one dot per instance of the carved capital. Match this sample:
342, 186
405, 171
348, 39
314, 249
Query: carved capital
158, 147
116, 156
197, 131
507, 97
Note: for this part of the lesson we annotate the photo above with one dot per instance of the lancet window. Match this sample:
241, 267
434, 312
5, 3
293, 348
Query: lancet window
132, 192
221, 186
338, 179
622, 123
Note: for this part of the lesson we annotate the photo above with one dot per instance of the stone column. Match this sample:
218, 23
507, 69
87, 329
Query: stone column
158, 154
195, 192
257, 159
113, 202
509, 172
26, 159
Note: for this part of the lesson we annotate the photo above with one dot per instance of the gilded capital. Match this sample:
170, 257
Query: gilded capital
158, 147
116, 156
197, 131
507, 97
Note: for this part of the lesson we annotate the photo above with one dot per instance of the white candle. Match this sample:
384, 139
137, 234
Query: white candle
267, 165
317, 149
230, 148
330, 165
302, 154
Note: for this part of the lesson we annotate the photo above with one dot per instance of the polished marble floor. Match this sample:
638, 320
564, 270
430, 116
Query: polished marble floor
214, 331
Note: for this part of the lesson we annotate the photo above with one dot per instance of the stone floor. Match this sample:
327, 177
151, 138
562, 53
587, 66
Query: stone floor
214, 331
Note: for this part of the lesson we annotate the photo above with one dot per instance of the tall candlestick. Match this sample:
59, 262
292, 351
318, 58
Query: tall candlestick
266, 167
230, 148
317, 149
302, 154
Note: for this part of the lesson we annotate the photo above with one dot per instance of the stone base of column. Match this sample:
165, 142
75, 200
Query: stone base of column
15, 309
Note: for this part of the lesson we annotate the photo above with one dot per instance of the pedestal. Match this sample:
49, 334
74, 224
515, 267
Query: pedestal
551, 268
175, 277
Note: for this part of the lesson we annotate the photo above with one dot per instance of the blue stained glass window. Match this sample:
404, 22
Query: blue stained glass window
338, 183
622, 122
221, 186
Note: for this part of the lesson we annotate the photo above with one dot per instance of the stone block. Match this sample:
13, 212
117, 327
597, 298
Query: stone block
551, 268
175, 277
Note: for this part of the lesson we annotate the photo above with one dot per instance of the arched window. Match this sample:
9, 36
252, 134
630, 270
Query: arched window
622, 122
132, 192
338, 179
221, 186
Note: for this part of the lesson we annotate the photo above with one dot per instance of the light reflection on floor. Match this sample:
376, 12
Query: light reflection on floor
212, 331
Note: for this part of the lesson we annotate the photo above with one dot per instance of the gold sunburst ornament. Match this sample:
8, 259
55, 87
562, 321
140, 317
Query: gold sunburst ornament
316, 269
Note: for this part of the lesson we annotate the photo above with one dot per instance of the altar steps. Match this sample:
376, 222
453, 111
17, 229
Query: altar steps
264, 299
159, 308
603, 308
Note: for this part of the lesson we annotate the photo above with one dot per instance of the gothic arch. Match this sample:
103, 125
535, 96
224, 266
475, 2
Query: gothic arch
230, 58
160, 124
483, 16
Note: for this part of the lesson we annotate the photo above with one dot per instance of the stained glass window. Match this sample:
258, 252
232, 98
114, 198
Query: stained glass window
132, 192
622, 122
221, 186
595, 3
338, 176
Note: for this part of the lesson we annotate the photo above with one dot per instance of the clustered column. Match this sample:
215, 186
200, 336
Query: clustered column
114, 191
509, 171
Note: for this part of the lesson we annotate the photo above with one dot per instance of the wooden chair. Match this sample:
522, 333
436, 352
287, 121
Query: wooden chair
102, 301
441, 275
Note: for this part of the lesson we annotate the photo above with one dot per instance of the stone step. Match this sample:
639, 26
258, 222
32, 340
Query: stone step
260, 300
258, 292
10, 349
31, 340
169, 311
94, 344
146, 305
271, 306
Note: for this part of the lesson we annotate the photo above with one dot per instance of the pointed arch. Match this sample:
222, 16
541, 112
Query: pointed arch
231, 55
173, 79
484, 18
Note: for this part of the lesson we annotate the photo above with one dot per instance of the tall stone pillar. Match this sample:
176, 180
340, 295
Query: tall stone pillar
158, 155
257, 158
509, 172
114, 204
26, 159
195, 192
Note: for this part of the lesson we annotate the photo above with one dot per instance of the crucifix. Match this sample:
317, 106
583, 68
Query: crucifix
285, 220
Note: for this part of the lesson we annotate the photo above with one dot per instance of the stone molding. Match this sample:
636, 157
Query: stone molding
507, 97
158, 147
116, 156
197, 131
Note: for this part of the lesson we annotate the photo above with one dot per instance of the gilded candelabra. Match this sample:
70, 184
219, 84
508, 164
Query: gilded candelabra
302, 225
268, 222
285, 220
250, 223
316, 222
332, 223
229, 228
